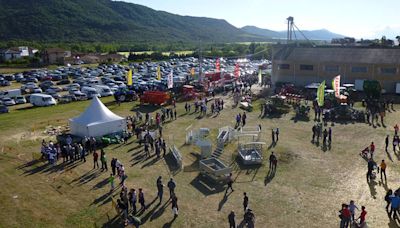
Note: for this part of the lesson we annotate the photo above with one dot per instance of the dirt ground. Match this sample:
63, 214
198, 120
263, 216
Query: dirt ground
307, 189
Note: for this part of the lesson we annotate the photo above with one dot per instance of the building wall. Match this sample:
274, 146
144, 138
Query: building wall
387, 74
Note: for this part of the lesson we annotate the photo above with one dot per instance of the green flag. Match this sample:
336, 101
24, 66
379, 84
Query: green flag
321, 94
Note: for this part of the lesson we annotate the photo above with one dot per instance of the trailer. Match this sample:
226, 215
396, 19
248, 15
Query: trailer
155, 97
215, 169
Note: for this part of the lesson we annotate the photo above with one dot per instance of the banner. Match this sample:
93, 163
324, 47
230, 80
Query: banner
129, 78
237, 71
217, 65
259, 76
336, 85
171, 80
321, 94
158, 73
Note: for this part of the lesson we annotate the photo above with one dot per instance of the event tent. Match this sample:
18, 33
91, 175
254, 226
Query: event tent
97, 120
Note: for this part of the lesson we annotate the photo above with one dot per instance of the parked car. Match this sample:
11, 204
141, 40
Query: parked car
20, 100
8, 101
3, 109
64, 82
5, 83
90, 92
80, 96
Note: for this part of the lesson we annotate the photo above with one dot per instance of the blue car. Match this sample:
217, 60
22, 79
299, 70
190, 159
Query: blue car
3, 109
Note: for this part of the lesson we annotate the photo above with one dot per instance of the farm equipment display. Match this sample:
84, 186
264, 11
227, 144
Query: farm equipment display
155, 98
125, 95
344, 112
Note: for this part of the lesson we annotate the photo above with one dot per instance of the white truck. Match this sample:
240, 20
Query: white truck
10, 93
38, 99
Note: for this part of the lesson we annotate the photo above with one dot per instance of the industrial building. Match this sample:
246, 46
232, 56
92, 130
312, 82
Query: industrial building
304, 65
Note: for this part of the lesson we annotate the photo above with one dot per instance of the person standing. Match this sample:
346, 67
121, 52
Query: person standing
386, 143
362, 216
345, 216
388, 195
231, 219
160, 188
141, 200
83, 153
372, 149
95, 159
171, 186
352, 208
229, 182
314, 130
272, 159
383, 169
164, 147
113, 165
133, 200
277, 134
324, 137
371, 165
245, 201
330, 136
111, 181
103, 160
244, 117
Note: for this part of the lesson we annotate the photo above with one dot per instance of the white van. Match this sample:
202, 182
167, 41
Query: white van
104, 90
38, 99
90, 92
10, 93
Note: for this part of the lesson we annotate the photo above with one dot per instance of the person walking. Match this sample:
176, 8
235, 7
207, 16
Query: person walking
394, 205
231, 219
383, 169
95, 159
388, 195
272, 159
345, 216
132, 200
160, 188
141, 200
171, 186
103, 160
174, 206
386, 143
229, 182
273, 136
245, 201
370, 165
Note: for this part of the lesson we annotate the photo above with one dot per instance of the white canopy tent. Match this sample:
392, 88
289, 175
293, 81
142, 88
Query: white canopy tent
97, 120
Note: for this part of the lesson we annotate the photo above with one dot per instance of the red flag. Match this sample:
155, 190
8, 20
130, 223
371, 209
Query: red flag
237, 71
217, 65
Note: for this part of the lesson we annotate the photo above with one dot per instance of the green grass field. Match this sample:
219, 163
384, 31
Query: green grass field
307, 190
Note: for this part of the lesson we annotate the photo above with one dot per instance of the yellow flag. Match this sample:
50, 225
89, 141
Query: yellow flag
158, 73
129, 77
192, 71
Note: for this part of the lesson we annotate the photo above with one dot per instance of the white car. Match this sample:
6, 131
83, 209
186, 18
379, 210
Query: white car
20, 100
8, 101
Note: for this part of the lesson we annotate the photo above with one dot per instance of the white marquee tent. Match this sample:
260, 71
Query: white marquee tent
97, 120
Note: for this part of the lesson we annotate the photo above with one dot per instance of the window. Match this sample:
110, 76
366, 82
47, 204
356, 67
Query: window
359, 69
332, 68
283, 66
389, 70
306, 67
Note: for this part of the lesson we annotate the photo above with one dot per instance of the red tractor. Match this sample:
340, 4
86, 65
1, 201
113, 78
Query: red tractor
155, 98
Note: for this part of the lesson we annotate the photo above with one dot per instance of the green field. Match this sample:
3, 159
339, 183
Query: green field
307, 190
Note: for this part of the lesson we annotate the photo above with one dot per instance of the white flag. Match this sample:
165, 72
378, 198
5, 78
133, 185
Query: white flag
336, 85
171, 80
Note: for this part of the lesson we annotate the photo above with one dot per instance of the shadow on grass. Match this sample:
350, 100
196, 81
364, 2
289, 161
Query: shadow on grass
206, 185
300, 118
145, 108
194, 167
87, 177
172, 164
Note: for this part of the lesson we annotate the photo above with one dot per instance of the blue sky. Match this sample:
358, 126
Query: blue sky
356, 18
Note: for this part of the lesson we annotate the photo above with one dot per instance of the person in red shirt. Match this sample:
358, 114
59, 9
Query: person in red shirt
362, 216
345, 216
95, 159
372, 150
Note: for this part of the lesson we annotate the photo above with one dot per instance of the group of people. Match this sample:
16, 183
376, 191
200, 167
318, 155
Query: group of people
127, 202
347, 215
240, 120
393, 201
325, 134
248, 217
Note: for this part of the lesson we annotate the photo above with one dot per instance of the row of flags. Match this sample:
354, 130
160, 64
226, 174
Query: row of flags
321, 90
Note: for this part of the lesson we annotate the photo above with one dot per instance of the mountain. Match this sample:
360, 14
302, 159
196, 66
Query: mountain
108, 21
321, 34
